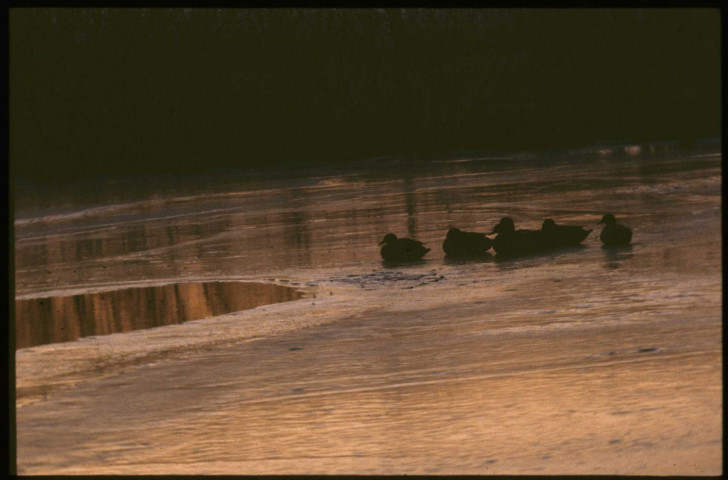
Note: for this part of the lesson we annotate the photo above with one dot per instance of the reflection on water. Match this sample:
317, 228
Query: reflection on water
469, 259
337, 218
62, 319
409, 199
615, 254
433, 367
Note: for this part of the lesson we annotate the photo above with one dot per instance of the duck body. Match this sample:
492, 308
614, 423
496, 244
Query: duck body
401, 249
512, 242
614, 234
560, 236
465, 244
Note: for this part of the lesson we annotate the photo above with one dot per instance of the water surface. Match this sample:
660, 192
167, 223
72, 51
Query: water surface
581, 361
63, 319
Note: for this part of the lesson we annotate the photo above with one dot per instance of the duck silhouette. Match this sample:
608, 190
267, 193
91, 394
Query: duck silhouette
511, 242
614, 234
401, 249
560, 236
465, 244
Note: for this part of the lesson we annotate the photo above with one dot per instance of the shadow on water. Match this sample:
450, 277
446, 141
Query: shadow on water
615, 254
62, 319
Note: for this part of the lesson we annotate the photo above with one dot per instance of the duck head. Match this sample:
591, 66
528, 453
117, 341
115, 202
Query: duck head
505, 225
548, 225
608, 219
388, 238
453, 232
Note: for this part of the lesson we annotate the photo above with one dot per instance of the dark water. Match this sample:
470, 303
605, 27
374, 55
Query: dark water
581, 361
63, 319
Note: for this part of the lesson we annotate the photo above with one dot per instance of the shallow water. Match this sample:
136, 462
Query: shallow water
586, 360
66, 318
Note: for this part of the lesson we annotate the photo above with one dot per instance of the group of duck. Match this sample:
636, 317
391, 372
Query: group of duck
508, 242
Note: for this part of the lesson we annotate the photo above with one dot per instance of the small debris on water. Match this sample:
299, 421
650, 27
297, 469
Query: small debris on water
645, 350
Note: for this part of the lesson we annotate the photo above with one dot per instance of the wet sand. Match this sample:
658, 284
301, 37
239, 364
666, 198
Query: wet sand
586, 361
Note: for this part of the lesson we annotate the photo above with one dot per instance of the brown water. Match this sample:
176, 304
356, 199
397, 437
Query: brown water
577, 362
62, 319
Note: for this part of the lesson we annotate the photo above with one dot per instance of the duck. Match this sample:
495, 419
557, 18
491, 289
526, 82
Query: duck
401, 249
614, 234
465, 244
559, 236
516, 242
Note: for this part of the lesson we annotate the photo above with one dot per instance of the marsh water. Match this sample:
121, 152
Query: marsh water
580, 361
66, 318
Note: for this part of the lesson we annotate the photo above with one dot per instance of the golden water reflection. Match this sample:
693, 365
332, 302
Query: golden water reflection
61, 319
273, 225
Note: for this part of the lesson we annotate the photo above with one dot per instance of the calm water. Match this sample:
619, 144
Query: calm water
67, 318
581, 361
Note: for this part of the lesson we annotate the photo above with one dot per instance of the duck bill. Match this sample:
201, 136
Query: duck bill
381, 243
